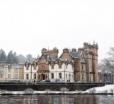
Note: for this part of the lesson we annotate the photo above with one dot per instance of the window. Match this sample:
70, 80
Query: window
1, 75
69, 76
39, 76
52, 75
9, 70
27, 68
82, 76
66, 66
9, 76
52, 66
82, 67
60, 75
46, 76
35, 76
60, 66
27, 76
66, 75
34, 67
15, 76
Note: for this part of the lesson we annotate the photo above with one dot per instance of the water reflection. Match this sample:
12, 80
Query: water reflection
86, 99
56, 99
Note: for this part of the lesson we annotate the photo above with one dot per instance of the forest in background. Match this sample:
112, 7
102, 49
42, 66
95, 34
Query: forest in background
13, 58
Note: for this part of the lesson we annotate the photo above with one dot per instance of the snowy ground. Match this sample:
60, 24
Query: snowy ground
103, 89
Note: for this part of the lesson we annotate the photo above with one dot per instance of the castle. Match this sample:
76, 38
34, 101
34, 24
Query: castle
71, 66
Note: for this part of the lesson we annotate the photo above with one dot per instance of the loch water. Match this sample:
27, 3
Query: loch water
56, 99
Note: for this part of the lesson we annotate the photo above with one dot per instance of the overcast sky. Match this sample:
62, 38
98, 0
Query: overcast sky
26, 26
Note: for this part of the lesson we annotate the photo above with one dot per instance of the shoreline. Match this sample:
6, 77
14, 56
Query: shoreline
51, 93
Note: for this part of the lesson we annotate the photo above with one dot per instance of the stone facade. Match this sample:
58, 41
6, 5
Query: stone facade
85, 67
14, 72
11, 72
71, 66
3, 69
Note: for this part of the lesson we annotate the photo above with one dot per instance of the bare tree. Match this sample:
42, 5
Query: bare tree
107, 64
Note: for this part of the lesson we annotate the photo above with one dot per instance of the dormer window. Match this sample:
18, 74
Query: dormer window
52, 66
60, 66
34, 67
27, 68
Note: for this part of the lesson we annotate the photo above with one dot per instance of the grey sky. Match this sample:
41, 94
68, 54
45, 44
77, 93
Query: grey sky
27, 26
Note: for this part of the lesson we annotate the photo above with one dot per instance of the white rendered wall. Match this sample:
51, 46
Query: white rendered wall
30, 71
67, 72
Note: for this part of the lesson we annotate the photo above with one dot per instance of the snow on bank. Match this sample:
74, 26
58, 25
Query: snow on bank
103, 89
38, 92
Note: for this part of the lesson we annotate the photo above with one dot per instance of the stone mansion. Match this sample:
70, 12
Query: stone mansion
73, 65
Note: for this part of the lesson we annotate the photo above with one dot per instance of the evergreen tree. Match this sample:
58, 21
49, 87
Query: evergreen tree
12, 58
2, 56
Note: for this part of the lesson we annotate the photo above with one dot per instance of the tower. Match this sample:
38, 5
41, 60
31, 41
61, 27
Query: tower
91, 58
